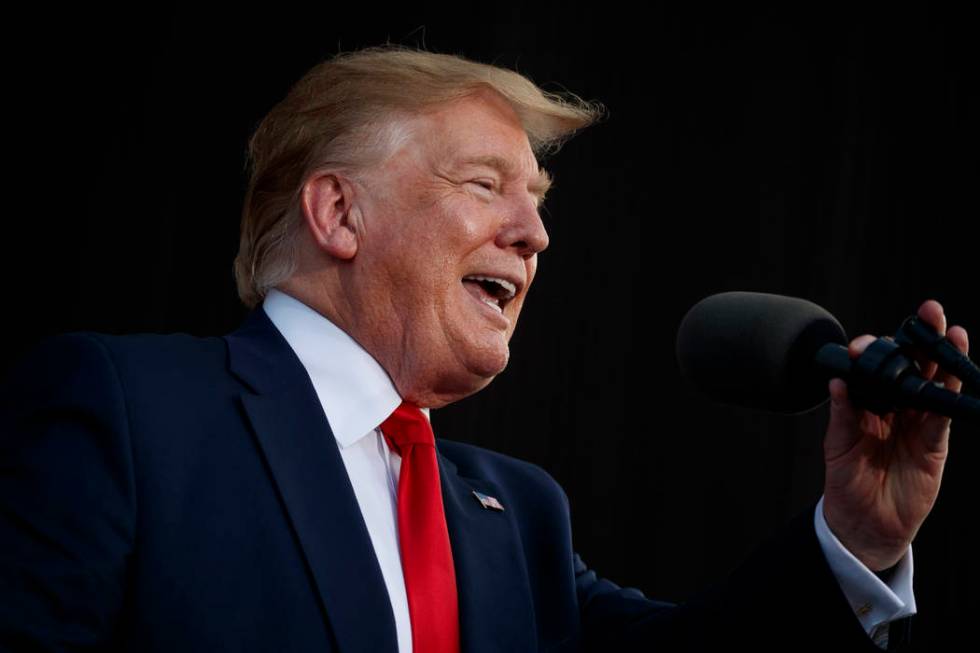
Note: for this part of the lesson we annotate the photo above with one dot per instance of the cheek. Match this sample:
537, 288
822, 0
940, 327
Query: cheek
513, 311
531, 264
532, 269
468, 219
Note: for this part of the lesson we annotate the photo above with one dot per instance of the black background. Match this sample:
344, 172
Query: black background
826, 155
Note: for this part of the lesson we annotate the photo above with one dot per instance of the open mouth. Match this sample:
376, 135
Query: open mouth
492, 291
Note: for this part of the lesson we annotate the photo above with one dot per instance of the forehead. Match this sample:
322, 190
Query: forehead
481, 131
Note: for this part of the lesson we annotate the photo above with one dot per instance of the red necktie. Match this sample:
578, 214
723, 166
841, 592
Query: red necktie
427, 559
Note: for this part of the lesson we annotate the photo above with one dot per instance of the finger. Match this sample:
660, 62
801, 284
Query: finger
961, 340
931, 312
859, 344
844, 428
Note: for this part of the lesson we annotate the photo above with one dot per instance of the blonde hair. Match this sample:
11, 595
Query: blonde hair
344, 114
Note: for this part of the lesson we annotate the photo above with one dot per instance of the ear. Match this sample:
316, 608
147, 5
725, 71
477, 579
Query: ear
326, 203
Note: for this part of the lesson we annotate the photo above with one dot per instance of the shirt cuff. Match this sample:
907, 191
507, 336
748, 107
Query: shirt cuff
873, 601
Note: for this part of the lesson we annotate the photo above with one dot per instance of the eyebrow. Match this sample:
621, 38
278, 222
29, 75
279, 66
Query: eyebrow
538, 186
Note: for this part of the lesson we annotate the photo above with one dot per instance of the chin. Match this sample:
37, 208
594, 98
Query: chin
476, 374
488, 362
449, 390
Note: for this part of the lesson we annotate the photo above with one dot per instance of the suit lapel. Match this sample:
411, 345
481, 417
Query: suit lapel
495, 605
295, 438
496, 612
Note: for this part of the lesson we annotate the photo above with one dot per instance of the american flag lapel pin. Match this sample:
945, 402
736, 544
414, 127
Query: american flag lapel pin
488, 502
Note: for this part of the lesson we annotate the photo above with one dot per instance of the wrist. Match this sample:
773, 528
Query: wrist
885, 575
879, 554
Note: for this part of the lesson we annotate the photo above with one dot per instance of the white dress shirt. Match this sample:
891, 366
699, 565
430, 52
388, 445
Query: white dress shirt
874, 603
357, 395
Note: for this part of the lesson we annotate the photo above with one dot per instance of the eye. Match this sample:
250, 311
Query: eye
483, 183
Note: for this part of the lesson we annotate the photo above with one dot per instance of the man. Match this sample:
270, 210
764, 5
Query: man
258, 492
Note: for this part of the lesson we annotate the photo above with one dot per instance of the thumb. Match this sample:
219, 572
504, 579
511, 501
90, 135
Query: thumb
844, 429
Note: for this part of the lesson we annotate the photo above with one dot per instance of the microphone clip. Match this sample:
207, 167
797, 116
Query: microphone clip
879, 377
915, 334
885, 377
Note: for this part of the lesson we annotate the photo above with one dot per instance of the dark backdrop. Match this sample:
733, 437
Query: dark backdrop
830, 156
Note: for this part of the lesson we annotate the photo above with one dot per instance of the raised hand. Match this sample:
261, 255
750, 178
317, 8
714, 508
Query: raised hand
883, 473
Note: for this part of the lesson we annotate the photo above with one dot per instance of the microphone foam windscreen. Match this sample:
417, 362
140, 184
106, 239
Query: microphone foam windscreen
756, 350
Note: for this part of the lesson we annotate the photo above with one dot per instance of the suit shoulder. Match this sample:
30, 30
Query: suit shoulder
87, 357
469, 455
120, 347
478, 462
142, 348
61, 363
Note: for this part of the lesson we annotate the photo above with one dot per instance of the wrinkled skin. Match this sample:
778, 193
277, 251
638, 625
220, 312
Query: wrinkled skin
384, 254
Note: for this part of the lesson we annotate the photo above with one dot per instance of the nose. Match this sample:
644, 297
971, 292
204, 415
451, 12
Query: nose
524, 231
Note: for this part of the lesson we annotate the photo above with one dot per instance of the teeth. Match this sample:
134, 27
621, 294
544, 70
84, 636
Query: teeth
503, 283
493, 305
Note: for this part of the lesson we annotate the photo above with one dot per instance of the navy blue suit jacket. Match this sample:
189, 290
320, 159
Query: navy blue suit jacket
175, 493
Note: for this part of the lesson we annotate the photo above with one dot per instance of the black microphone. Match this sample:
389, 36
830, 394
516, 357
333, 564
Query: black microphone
777, 353
916, 333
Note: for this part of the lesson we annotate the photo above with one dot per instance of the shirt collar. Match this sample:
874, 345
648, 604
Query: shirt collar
356, 393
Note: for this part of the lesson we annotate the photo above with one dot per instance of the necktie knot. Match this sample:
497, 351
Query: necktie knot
407, 426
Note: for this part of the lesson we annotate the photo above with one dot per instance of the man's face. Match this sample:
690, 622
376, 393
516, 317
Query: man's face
448, 249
